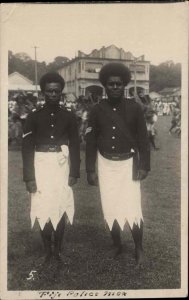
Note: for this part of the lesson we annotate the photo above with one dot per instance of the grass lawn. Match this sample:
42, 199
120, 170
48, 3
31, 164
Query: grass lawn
87, 253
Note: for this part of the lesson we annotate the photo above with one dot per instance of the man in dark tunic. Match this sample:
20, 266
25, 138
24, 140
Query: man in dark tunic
51, 162
117, 135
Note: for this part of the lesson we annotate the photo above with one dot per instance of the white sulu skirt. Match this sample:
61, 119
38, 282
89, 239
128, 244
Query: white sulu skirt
54, 196
120, 195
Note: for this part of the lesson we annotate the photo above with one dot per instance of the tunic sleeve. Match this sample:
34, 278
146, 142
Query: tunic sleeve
143, 141
28, 149
74, 148
91, 142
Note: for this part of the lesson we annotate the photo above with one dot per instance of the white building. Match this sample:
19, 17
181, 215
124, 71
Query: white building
81, 73
18, 82
155, 96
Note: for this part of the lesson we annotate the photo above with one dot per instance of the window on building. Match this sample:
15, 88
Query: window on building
69, 70
92, 67
79, 67
139, 68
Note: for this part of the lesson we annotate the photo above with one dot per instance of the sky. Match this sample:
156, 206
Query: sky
159, 31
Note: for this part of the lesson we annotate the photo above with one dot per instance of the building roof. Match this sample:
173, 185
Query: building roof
111, 53
17, 81
177, 93
169, 91
154, 95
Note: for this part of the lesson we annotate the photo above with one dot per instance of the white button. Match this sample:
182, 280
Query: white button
52, 125
113, 147
113, 137
52, 114
52, 137
113, 127
114, 109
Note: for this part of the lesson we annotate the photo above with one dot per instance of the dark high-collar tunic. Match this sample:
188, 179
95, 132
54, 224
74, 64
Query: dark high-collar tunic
105, 136
50, 126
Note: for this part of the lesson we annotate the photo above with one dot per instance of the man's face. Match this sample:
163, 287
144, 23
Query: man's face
114, 88
52, 93
141, 94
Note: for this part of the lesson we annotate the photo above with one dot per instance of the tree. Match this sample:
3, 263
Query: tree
23, 56
166, 74
23, 64
11, 62
58, 62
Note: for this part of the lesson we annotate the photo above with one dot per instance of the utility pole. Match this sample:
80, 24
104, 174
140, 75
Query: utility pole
135, 88
135, 80
36, 79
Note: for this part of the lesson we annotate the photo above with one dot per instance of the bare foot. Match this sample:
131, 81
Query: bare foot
47, 260
58, 257
139, 256
118, 251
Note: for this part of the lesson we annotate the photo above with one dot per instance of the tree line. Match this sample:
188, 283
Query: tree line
166, 74
23, 64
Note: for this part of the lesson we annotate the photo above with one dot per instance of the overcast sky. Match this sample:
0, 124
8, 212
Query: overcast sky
159, 31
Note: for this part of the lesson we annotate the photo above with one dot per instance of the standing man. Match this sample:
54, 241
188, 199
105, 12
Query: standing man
117, 134
50, 138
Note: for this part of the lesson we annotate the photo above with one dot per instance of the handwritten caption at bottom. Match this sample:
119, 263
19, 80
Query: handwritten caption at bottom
81, 294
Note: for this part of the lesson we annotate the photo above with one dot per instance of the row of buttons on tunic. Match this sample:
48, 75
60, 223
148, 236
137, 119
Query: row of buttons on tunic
113, 127
52, 125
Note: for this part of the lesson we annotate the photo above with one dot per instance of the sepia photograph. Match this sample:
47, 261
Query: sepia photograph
94, 150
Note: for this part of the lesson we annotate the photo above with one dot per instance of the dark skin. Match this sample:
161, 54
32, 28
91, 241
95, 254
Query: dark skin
52, 93
115, 92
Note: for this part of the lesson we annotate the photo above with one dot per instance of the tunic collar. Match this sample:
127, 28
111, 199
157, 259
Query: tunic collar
115, 103
52, 108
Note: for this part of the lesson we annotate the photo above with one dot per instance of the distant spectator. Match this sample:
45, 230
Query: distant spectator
160, 108
166, 109
11, 105
176, 118
151, 119
14, 130
20, 109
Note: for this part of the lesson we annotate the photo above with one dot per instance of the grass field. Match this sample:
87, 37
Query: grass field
88, 261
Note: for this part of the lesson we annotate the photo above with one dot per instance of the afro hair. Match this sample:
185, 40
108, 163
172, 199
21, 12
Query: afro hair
49, 78
114, 69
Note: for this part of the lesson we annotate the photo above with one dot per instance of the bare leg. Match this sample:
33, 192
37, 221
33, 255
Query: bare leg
137, 233
152, 141
116, 236
58, 237
46, 235
172, 126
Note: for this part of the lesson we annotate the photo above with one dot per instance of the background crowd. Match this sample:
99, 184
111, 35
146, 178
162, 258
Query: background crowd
20, 104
